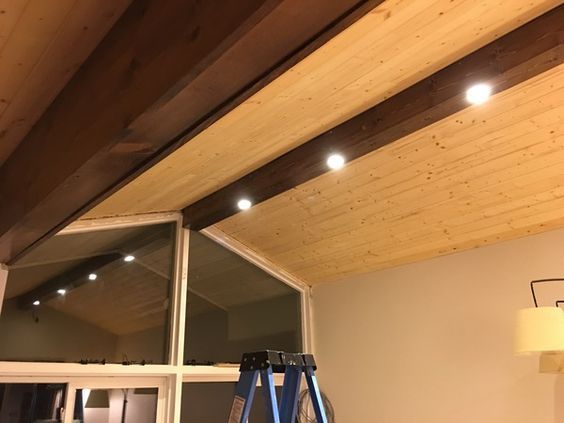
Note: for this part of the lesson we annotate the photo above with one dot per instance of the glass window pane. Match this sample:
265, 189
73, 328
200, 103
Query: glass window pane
31, 402
93, 295
235, 307
127, 405
211, 403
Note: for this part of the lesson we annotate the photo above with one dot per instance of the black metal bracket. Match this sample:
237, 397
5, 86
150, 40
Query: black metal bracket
92, 361
533, 283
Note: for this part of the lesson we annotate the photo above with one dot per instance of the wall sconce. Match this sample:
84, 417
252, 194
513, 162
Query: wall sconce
540, 329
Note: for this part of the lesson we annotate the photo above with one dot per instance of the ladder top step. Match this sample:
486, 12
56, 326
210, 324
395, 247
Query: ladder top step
277, 360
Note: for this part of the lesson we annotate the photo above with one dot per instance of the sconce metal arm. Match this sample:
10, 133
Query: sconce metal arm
533, 283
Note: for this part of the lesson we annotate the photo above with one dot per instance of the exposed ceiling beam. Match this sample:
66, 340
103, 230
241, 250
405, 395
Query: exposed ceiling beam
76, 276
67, 280
167, 70
514, 58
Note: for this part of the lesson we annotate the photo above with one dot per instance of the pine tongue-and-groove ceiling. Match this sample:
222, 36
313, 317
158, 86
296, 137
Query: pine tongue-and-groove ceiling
487, 174
397, 44
483, 175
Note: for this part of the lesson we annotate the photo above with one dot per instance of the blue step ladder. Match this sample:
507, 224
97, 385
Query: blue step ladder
265, 364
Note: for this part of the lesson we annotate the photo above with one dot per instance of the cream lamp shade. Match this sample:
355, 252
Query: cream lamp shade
539, 329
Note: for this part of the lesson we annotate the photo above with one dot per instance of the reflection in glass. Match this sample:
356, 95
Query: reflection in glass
235, 307
31, 402
76, 297
128, 405
211, 403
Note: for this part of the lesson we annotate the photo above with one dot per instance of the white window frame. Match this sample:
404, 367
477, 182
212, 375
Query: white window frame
168, 378
100, 382
118, 383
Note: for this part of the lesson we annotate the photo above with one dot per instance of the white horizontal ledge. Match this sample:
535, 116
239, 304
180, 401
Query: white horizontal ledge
8, 368
66, 370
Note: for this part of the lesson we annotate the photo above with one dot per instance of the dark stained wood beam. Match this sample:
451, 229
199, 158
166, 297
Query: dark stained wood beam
514, 58
167, 70
68, 280
77, 275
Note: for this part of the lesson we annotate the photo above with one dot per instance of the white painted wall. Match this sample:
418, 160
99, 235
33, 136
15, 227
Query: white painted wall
96, 415
57, 336
140, 408
432, 341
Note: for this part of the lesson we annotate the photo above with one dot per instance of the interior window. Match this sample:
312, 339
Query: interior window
99, 296
126, 405
31, 402
211, 403
235, 307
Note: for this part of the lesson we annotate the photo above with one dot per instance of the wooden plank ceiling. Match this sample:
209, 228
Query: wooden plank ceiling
42, 44
388, 50
487, 174
483, 175
523, 53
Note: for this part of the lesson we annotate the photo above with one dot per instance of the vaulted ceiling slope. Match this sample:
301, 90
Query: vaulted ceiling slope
525, 52
481, 175
487, 174
389, 49
457, 182
165, 71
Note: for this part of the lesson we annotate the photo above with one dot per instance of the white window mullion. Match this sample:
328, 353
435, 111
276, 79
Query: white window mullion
178, 314
70, 398
174, 394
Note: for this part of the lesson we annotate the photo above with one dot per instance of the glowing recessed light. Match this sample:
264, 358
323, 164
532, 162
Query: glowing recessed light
92, 276
335, 161
36, 302
478, 94
128, 258
61, 291
244, 204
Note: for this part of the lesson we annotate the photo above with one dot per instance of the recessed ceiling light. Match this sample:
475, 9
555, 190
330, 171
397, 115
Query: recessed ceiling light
479, 93
335, 161
61, 291
36, 302
129, 258
244, 204
92, 276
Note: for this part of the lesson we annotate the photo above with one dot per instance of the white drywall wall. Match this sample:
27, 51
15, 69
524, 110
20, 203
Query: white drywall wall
433, 341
